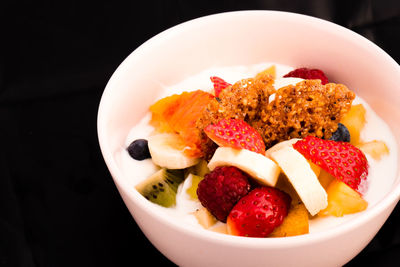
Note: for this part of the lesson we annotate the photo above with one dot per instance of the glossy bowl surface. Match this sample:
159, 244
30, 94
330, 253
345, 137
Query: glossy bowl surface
245, 38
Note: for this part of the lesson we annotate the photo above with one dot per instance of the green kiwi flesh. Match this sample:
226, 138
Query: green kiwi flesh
192, 190
200, 169
161, 187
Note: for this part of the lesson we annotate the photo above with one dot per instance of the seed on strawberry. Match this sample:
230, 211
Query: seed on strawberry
221, 189
235, 133
258, 213
341, 159
219, 84
310, 74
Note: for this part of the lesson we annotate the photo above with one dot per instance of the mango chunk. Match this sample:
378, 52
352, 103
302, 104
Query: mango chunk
376, 149
295, 223
270, 71
325, 178
354, 120
342, 200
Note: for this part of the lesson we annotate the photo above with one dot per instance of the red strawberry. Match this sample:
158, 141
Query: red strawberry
219, 84
237, 134
258, 213
341, 159
221, 189
310, 74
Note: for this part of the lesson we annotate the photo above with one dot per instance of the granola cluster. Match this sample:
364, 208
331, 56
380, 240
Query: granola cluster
245, 100
294, 111
309, 108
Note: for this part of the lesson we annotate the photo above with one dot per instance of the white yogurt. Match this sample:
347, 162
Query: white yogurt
381, 176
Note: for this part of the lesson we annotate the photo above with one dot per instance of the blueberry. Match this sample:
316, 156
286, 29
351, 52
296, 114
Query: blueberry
139, 149
341, 134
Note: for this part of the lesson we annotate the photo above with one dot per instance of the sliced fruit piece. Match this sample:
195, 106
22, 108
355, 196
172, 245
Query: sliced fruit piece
341, 159
192, 190
376, 149
343, 200
168, 150
259, 167
205, 218
285, 185
161, 187
307, 73
295, 223
179, 114
316, 169
258, 213
196, 173
235, 133
325, 178
219, 228
158, 110
281, 145
270, 71
219, 85
200, 168
354, 120
300, 174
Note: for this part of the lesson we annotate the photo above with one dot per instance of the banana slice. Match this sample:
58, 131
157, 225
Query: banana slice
167, 150
254, 164
281, 145
316, 169
301, 175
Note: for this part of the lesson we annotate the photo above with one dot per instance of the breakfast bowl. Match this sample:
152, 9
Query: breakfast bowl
241, 39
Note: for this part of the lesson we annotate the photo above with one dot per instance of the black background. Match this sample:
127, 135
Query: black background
58, 203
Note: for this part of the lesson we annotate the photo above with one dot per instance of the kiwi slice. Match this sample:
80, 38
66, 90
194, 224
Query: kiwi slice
161, 187
196, 173
200, 169
192, 190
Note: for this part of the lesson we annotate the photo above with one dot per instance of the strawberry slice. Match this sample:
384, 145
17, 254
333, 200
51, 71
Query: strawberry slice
341, 159
219, 84
258, 213
310, 74
235, 133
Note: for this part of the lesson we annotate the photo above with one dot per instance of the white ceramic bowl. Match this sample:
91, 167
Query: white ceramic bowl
243, 38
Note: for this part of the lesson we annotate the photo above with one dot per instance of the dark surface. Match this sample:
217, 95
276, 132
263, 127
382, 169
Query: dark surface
58, 203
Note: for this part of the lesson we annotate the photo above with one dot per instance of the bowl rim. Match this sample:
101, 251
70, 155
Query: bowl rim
391, 198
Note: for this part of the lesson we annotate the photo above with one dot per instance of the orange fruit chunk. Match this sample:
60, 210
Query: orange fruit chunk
354, 120
342, 200
269, 71
179, 114
325, 178
295, 223
376, 149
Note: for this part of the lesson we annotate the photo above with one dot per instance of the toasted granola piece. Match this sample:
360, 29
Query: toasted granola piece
308, 108
245, 100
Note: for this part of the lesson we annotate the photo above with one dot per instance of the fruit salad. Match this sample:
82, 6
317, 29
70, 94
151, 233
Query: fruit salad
263, 151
